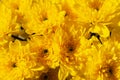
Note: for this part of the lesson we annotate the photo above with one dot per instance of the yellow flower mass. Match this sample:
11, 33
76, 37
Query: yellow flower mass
59, 39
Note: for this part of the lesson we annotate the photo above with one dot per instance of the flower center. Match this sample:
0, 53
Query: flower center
107, 71
14, 65
45, 51
95, 4
70, 49
45, 77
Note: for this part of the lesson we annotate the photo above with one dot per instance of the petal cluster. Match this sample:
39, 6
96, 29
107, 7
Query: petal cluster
59, 39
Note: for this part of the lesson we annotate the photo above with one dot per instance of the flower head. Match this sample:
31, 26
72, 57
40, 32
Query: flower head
16, 62
46, 50
105, 62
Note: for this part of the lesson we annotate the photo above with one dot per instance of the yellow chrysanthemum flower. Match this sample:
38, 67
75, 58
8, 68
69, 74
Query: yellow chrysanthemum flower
59, 39
50, 74
104, 64
95, 14
46, 50
43, 16
73, 50
16, 62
